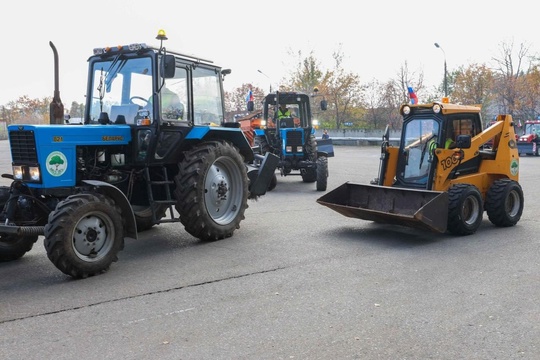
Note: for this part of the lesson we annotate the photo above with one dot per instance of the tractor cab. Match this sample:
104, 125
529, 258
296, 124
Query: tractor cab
162, 95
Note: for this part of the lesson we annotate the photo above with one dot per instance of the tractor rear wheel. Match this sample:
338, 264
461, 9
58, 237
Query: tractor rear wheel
212, 190
84, 234
465, 209
504, 203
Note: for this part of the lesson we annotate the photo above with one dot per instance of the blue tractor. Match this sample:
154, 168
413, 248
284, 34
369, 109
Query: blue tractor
153, 148
292, 137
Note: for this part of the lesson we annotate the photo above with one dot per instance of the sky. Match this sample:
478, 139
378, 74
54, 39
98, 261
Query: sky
255, 39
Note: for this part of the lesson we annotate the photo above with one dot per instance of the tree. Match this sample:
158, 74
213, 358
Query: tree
507, 72
472, 86
76, 110
344, 92
29, 111
236, 103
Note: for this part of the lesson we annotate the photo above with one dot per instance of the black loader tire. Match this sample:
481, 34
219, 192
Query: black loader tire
212, 190
84, 234
322, 173
504, 202
465, 209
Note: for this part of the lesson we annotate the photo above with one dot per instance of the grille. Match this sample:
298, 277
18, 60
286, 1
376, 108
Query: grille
294, 138
23, 146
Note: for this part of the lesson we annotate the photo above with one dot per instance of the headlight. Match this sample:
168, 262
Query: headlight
315, 122
263, 123
406, 110
436, 108
288, 149
17, 172
34, 173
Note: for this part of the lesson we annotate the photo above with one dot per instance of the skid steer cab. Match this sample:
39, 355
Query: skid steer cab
287, 130
441, 177
153, 148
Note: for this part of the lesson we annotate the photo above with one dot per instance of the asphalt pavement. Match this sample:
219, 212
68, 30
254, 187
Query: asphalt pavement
295, 281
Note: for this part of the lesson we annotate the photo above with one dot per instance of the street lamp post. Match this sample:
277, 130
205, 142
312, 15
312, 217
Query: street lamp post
268, 79
445, 72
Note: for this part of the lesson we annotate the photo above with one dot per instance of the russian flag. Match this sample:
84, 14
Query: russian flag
249, 96
412, 96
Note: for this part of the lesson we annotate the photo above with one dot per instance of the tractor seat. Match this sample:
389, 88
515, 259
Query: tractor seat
286, 122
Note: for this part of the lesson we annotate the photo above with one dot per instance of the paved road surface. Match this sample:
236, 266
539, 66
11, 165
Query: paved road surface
296, 281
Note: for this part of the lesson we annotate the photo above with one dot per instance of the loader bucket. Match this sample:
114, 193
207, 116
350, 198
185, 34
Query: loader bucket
421, 209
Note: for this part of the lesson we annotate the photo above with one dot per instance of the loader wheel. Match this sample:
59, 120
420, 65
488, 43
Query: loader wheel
465, 209
13, 247
212, 190
322, 173
143, 216
504, 203
310, 174
84, 234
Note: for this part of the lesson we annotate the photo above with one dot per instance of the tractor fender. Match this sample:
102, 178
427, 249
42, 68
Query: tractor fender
233, 135
121, 200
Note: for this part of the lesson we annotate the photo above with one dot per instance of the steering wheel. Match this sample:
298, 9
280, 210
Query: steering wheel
141, 99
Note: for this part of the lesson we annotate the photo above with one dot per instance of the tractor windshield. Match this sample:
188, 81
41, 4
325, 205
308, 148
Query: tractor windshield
532, 129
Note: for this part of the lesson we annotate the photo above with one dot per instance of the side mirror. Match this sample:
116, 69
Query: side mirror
168, 66
324, 105
386, 135
250, 106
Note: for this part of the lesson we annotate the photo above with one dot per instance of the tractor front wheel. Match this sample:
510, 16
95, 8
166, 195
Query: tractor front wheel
84, 234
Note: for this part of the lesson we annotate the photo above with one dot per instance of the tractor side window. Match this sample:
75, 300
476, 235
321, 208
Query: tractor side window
174, 96
207, 100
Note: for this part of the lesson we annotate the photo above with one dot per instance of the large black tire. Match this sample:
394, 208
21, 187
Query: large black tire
13, 247
212, 190
504, 203
84, 234
322, 173
260, 141
310, 174
143, 216
465, 209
